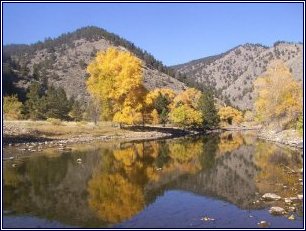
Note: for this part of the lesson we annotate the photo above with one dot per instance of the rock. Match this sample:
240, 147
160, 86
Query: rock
271, 196
288, 201
207, 219
291, 209
291, 217
263, 224
277, 211
300, 197
79, 160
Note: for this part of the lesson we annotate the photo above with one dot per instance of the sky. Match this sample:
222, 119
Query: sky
173, 32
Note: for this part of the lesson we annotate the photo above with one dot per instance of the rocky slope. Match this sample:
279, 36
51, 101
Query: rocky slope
63, 61
232, 73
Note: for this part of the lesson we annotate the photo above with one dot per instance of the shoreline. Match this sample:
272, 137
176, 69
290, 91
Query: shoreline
18, 133
288, 138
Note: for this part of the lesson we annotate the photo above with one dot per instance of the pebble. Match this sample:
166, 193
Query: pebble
291, 217
263, 224
207, 219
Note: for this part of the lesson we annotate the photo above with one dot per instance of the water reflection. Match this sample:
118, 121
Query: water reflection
115, 182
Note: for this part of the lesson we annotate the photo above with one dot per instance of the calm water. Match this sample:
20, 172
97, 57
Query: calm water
213, 181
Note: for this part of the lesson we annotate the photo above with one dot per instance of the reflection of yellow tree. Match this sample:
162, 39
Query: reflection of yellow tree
114, 198
127, 156
154, 149
229, 142
185, 152
11, 176
273, 174
185, 156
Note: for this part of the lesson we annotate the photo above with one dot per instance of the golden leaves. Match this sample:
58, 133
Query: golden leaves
279, 95
230, 115
116, 77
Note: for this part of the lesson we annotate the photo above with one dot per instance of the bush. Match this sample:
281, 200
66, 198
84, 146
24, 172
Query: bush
54, 121
12, 108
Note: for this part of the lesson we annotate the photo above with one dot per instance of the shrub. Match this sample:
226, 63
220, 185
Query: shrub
12, 108
54, 121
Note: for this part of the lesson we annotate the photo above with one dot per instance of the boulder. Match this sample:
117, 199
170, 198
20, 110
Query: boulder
263, 224
277, 211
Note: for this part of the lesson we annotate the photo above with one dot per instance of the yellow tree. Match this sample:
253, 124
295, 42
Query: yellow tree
278, 94
116, 80
185, 116
184, 109
157, 104
189, 97
229, 115
12, 108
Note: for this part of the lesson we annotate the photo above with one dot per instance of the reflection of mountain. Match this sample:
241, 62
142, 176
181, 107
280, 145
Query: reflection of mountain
112, 185
231, 178
39, 193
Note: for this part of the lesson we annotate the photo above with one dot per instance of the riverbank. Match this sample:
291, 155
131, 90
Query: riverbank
16, 133
288, 137
33, 133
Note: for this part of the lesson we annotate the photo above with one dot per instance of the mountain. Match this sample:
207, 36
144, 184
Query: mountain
62, 62
231, 74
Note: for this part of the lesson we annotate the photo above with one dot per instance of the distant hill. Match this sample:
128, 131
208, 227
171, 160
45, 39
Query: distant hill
62, 62
231, 74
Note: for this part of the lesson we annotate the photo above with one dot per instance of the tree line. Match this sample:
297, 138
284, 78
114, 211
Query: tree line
115, 84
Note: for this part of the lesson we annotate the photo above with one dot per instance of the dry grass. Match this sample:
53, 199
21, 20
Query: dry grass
64, 129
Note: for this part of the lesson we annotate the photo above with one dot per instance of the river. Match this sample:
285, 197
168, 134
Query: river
211, 181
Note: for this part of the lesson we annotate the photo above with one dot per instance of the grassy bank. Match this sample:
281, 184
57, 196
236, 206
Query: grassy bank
24, 131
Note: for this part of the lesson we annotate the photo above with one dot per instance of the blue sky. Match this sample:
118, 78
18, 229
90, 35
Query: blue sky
173, 33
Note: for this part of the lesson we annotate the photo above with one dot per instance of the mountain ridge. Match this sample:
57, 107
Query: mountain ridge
62, 62
231, 74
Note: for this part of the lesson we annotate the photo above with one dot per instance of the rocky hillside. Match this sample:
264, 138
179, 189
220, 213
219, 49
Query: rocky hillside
232, 73
63, 61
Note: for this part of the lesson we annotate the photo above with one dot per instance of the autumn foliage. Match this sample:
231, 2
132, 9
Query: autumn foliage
279, 96
230, 115
116, 82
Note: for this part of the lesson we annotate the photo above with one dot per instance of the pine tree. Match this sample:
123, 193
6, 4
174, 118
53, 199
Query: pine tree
35, 104
76, 112
208, 110
57, 103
